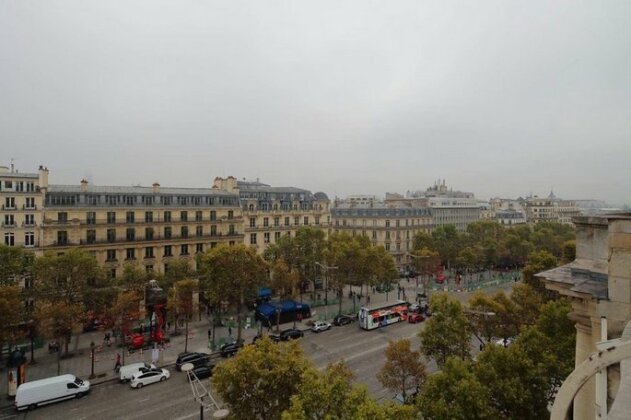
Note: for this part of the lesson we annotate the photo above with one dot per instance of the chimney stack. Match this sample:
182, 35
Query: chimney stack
84, 185
156, 188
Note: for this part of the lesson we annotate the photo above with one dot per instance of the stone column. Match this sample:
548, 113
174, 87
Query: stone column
584, 400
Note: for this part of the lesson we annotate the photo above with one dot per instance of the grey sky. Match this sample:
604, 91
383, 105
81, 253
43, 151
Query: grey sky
347, 97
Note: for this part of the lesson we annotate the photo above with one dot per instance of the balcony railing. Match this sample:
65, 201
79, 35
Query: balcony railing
157, 238
9, 225
25, 207
4, 207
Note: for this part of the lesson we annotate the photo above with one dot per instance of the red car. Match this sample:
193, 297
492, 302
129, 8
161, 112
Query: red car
414, 318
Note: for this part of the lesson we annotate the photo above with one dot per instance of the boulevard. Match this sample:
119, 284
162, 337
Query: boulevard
362, 350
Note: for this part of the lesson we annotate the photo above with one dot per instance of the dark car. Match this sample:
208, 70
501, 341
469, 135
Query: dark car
340, 320
413, 318
203, 372
290, 334
230, 349
197, 359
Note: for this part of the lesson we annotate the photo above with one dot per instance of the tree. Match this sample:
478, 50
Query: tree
569, 251
455, 393
447, 332
259, 381
426, 262
180, 302
538, 261
284, 282
134, 278
58, 319
309, 247
404, 369
11, 304
179, 269
124, 312
383, 267
231, 274
13, 262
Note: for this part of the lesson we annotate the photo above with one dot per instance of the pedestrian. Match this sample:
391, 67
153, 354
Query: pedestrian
209, 333
368, 299
168, 325
117, 365
230, 331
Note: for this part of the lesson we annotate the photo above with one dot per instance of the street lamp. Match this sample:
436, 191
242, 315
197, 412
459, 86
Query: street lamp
326, 287
478, 313
92, 346
200, 392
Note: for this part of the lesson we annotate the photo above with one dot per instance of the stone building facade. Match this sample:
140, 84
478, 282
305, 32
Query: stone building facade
598, 282
391, 225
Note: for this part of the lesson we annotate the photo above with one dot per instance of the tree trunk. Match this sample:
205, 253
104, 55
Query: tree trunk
186, 339
58, 357
341, 297
66, 344
239, 316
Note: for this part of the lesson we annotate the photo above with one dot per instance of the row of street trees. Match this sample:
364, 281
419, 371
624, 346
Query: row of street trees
487, 244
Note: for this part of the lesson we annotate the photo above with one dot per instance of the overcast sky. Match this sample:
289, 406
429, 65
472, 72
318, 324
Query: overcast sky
501, 98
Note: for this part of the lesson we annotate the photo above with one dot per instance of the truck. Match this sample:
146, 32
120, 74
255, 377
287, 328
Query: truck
32, 394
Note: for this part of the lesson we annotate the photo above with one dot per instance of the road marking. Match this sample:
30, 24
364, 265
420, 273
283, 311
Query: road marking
8, 417
146, 399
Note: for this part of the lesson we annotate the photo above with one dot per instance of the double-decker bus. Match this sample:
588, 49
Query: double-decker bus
380, 316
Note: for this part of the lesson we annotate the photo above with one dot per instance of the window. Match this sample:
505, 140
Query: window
111, 255
184, 216
149, 234
286, 221
213, 215
30, 203
387, 235
148, 217
276, 221
213, 245
317, 220
231, 243
398, 223
29, 239
90, 218
387, 247
167, 232
168, 252
149, 252
30, 187
276, 236
112, 273
230, 214
252, 238
266, 221
296, 220
130, 254
266, 237
198, 216
374, 234
252, 222
9, 239
213, 230
130, 216
9, 202
149, 268
387, 223
111, 235
306, 220
9, 220
131, 234
111, 217
71, 385
29, 220
199, 231
62, 237
167, 216
184, 231
184, 249
90, 236
62, 217
199, 248
231, 230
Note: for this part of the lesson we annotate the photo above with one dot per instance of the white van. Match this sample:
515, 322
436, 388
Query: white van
126, 372
45, 391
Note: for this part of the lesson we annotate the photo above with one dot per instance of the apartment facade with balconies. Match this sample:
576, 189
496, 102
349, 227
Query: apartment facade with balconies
148, 226
21, 198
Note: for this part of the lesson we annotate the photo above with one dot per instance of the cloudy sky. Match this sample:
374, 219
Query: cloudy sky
502, 98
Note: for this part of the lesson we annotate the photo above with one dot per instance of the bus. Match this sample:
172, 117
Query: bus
380, 316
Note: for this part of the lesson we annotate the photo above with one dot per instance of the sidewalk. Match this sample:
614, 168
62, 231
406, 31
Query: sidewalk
105, 357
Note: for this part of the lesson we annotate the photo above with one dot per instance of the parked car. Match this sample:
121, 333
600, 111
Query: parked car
413, 318
45, 391
151, 376
320, 326
340, 320
274, 337
126, 372
290, 334
415, 308
197, 359
203, 372
230, 349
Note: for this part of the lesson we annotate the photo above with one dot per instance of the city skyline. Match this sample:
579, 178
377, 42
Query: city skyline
501, 99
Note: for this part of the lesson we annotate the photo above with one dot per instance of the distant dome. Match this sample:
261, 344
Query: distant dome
321, 196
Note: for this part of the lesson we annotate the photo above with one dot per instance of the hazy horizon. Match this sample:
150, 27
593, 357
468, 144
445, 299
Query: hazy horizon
499, 98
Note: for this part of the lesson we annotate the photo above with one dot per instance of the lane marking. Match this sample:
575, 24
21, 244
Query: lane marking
145, 399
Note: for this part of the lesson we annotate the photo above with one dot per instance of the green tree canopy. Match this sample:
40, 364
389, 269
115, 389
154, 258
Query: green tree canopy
260, 380
447, 332
404, 370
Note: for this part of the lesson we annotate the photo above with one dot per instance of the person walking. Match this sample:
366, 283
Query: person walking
230, 331
117, 365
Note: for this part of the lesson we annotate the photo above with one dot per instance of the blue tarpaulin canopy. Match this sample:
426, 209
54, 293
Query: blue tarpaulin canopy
265, 292
269, 309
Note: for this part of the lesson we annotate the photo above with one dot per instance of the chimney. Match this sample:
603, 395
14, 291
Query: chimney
156, 188
84, 185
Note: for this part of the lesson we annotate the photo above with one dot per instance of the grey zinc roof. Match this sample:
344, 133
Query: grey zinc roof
581, 276
18, 175
101, 189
